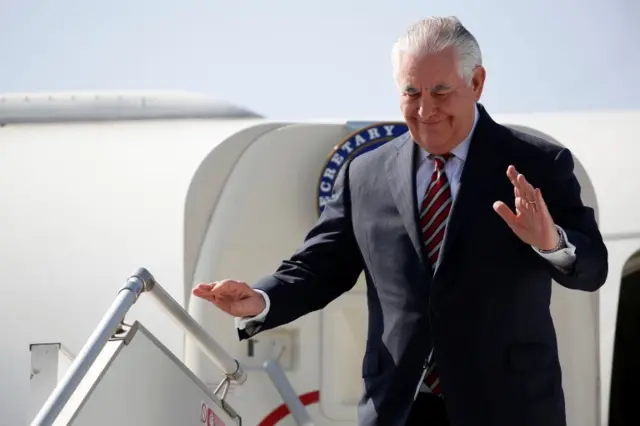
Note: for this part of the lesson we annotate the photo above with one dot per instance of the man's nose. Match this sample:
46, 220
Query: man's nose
427, 108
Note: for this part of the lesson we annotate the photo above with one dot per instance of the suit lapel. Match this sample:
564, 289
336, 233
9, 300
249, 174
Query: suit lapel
484, 161
401, 171
482, 164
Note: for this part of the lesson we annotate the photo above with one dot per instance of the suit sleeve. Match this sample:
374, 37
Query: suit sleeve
590, 269
326, 265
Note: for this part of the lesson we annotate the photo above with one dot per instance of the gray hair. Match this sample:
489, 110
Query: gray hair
435, 34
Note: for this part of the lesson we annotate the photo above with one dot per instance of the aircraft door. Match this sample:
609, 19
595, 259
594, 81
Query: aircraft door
575, 316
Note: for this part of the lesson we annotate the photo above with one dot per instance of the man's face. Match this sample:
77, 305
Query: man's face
437, 104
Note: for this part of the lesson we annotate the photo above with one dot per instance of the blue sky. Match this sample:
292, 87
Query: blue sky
300, 59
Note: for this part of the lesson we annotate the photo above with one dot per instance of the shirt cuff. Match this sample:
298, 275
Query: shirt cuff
562, 258
242, 323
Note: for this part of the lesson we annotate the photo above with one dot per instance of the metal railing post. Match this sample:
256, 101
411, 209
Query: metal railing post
110, 322
288, 394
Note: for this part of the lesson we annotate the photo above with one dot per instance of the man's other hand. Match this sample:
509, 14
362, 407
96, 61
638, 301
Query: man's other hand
531, 222
234, 297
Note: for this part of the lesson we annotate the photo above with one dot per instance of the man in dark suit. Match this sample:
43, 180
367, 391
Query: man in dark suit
458, 248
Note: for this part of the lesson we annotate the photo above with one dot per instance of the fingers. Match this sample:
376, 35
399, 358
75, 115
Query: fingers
520, 183
522, 189
521, 204
204, 292
526, 189
219, 290
505, 213
204, 287
542, 206
512, 174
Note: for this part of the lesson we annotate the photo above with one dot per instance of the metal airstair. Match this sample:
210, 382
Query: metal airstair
113, 380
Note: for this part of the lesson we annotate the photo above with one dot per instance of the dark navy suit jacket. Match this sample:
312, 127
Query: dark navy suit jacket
485, 311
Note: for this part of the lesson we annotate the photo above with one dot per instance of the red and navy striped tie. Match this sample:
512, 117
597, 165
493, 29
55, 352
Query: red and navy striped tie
434, 213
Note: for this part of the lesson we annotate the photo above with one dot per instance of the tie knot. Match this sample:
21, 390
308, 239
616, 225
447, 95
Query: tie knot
441, 160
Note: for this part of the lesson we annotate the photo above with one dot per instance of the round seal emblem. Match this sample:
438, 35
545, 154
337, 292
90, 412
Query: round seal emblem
363, 140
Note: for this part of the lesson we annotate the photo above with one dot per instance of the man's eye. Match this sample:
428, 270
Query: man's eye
440, 94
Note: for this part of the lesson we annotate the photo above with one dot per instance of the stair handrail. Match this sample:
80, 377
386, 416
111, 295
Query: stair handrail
140, 282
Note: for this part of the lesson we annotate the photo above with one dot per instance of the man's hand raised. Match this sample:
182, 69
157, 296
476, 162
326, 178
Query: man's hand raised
234, 297
531, 222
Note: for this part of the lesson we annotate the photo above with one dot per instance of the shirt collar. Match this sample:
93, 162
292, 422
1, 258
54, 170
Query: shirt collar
462, 149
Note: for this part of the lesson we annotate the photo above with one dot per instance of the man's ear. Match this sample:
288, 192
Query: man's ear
477, 81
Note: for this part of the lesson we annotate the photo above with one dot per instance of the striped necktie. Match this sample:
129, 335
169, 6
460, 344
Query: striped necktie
434, 213
435, 209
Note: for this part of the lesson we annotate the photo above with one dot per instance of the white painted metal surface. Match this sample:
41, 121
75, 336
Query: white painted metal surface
203, 199
124, 388
107, 106
49, 362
